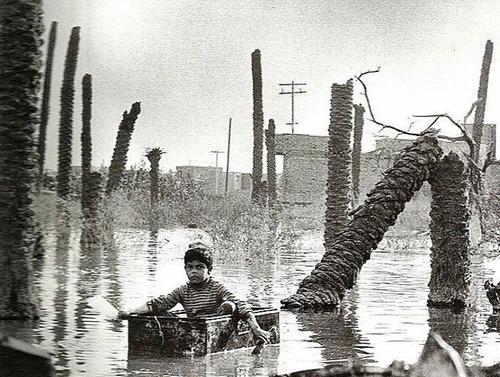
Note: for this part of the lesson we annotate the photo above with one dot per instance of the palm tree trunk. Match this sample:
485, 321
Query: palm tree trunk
339, 161
86, 140
66, 113
20, 60
119, 159
271, 162
356, 150
93, 195
482, 92
450, 262
45, 109
258, 128
351, 248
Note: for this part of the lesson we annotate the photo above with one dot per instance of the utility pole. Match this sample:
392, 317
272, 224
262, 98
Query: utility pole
293, 92
228, 150
216, 170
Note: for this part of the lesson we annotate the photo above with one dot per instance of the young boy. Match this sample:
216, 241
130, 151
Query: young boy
202, 296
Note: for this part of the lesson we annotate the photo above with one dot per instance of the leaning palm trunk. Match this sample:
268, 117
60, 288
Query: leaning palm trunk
352, 247
271, 163
258, 128
482, 92
86, 140
66, 115
450, 262
356, 150
20, 61
154, 156
119, 159
45, 109
339, 161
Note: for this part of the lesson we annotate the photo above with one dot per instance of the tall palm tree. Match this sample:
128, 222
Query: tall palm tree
258, 128
356, 150
20, 62
271, 162
66, 115
482, 92
339, 161
154, 156
119, 159
45, 108
450, 259
86, 139
351, 247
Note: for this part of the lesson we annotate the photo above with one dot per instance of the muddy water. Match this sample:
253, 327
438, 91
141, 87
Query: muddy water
383, 318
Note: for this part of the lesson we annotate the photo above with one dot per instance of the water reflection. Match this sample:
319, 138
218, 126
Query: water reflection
60, 324
336, 331
384, 317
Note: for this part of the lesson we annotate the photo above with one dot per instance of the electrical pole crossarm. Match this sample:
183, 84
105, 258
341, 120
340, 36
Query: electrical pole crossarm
293, 92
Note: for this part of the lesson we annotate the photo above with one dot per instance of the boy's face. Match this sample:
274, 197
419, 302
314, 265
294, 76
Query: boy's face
196, 271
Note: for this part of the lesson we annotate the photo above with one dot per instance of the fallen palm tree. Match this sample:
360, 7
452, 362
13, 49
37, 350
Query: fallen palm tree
351, 247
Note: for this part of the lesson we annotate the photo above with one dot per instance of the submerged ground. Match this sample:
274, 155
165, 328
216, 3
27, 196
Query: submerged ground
384, 317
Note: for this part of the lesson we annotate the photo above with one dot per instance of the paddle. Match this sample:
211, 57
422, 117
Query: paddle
260, 343
103, 306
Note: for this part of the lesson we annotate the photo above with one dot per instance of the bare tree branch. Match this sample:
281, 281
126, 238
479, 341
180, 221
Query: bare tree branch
465, 135
399, 130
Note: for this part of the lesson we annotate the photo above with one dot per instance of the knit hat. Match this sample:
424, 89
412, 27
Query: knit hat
199, 251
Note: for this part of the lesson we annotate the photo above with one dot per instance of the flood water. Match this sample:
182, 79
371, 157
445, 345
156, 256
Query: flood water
383, 318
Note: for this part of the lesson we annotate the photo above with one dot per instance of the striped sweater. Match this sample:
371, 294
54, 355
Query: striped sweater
199, 301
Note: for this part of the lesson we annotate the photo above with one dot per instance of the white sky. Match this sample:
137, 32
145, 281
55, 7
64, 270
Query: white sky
188, 62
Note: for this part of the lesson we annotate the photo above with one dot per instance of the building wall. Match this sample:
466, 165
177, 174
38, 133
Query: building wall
305, 166
206, 175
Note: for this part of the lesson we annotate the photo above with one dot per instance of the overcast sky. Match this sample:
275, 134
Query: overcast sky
188, 62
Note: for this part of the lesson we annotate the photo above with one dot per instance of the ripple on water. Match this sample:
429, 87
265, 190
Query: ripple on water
384, 316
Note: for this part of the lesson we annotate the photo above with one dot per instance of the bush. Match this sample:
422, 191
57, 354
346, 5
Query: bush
237, 226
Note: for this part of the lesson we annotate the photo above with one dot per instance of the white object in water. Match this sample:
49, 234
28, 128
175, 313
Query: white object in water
103, 306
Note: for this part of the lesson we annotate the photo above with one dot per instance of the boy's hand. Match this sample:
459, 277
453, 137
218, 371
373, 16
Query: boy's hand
261, 335
227, 307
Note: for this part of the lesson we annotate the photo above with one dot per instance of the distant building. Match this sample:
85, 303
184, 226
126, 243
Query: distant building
305, 163
207, 176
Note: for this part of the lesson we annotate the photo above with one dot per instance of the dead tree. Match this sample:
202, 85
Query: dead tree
449, 231
94, 195
339, 161
66, 116
258, 128
351, 248
359, 112
119, 159
271, 163
45, 108
482, 92
20, 60
86, 140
